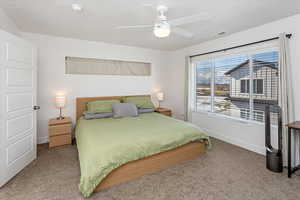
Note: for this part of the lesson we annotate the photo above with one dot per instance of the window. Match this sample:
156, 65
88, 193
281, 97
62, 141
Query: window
203, 90
257, 115
238, 85
245, 113
257, 86
93, 66
245, 84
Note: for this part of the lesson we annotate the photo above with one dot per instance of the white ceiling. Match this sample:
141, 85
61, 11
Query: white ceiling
97, 21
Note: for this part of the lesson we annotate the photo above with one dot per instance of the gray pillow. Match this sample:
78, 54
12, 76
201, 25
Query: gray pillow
88, 115
124, 110
145, 110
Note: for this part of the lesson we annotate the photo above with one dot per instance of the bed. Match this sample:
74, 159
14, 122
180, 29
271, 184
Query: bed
112, 151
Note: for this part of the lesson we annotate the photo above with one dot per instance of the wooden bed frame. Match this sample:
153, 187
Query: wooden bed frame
146, 165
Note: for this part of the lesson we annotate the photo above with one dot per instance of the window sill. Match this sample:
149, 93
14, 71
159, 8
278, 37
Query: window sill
243, 121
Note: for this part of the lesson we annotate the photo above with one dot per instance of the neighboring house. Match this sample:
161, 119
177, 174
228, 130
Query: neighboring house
265, 82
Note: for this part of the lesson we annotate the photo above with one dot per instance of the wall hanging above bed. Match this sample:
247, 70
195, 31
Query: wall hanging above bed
75, 65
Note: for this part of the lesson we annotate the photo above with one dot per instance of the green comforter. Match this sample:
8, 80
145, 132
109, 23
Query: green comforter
105, 144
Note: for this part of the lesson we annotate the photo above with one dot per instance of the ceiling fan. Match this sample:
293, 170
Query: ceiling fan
163, 27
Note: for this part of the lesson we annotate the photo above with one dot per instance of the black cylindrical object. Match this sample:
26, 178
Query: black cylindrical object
274, 160
273, 156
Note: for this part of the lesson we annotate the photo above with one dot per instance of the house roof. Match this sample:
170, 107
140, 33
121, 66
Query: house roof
266, 64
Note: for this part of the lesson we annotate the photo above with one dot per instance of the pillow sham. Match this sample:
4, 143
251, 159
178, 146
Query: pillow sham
145, 110
88, 115
140, 102
124, 110
101, 106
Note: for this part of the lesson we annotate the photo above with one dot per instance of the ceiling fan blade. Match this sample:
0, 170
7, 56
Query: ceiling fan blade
182, 32
62, 3
189, 19
132, 27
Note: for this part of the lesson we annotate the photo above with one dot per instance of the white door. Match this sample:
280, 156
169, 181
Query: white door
18, 70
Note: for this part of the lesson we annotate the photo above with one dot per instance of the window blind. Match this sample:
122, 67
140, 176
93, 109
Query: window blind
92, 66
238, 83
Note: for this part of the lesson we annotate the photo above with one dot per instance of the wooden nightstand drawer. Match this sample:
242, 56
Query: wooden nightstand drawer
164, 111
60, 140
60, 129
167, 113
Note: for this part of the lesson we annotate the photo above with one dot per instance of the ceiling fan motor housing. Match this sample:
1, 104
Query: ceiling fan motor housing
161, 12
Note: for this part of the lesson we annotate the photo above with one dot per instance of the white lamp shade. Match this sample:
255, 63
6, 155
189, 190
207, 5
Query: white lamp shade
60, 101
156, 90
160, 96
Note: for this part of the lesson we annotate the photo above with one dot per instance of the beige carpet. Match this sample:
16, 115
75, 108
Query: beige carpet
225, 172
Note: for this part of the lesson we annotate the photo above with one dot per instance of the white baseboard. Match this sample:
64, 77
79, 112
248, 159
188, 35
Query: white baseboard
237, 142
42, 140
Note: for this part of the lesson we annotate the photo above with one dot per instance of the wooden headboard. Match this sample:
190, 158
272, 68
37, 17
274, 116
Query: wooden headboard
81, 102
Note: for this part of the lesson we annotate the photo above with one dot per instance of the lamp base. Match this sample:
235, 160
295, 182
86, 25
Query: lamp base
60, 118
60, 115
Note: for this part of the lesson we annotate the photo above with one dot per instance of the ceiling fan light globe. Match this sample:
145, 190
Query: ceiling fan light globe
162, 33
162, 30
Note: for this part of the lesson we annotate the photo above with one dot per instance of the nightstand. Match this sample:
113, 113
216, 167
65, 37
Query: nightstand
60, 132
164, 111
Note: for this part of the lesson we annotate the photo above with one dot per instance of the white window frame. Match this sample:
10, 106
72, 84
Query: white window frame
248, 51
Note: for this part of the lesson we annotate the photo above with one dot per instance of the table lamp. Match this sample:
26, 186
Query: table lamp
160, 97
60, 101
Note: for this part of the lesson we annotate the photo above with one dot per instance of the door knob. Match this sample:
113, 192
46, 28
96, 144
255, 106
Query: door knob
36, 107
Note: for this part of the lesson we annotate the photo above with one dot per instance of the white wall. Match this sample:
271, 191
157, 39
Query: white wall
168, 74
228, 129
52, 77
7, 24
